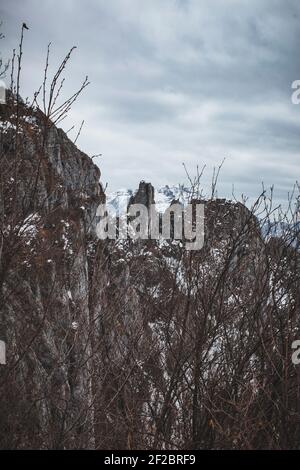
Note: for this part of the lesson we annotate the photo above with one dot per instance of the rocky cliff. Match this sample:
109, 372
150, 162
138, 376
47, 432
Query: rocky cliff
49, 194
135, 345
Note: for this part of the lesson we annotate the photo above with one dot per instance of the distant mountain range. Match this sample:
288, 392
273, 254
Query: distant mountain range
117, 201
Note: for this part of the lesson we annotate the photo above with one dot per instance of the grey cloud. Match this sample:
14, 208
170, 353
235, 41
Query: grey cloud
173, 81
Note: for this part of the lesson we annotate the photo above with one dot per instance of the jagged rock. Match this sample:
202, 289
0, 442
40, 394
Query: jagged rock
144, 195
134, 345
50, 193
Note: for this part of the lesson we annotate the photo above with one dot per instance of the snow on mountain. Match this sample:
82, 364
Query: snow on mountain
117, 201
167, 194
290, 232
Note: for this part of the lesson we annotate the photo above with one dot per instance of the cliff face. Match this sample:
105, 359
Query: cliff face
49, 195
144, 195
89, 325
134, 344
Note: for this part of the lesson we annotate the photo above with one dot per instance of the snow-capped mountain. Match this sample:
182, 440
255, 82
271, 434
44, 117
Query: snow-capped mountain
166, 194
290, 232
117, 201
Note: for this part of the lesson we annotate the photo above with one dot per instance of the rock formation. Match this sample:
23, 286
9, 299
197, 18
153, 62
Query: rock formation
49, 195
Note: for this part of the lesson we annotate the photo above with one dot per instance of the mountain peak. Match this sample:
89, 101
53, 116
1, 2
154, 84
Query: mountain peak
117, 201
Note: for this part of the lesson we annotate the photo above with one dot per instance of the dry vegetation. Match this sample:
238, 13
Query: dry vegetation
136, 345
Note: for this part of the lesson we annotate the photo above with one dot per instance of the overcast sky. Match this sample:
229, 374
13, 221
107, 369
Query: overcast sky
174, 81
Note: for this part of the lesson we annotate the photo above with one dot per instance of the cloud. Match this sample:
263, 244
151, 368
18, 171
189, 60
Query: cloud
174, 81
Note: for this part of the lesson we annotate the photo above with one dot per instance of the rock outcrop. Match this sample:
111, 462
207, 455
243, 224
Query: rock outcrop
125, 344
49, 195
144, 195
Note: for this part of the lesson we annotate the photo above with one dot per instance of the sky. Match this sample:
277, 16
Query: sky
173, 81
